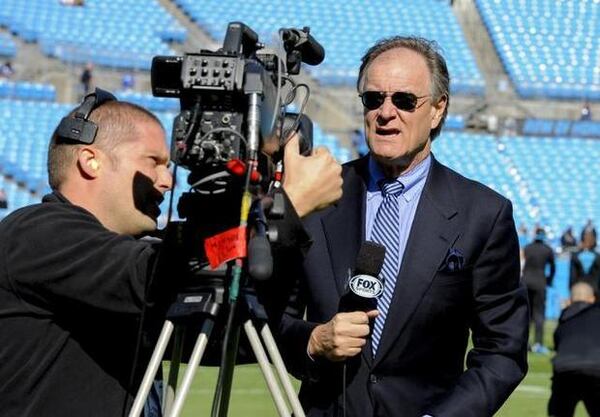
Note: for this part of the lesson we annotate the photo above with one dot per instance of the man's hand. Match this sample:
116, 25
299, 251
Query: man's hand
311, 182
342, 337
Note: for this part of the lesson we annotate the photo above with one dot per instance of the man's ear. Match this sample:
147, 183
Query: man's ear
437, 110
87, 162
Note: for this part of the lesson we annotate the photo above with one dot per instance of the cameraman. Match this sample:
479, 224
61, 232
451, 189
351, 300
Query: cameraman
75, 281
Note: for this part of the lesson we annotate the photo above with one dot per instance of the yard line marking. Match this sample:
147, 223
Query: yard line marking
533, 389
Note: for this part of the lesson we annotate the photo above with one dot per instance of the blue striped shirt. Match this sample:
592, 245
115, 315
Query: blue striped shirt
414, 181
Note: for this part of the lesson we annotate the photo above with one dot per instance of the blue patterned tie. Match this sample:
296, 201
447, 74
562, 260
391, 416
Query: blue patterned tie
386, 231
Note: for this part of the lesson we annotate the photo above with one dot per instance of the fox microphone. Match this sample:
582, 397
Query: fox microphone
363, 288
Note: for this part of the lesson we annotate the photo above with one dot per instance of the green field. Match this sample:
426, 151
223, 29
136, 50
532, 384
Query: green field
250, 397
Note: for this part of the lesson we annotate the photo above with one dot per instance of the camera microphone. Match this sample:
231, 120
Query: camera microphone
364, 286
301, 40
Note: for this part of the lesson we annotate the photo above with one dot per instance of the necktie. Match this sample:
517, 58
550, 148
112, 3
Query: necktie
386, 231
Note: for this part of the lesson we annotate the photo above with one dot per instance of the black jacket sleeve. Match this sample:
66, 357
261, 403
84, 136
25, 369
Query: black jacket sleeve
61, 259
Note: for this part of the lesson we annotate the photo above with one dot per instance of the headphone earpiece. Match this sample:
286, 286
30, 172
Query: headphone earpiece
93, 164
77, 128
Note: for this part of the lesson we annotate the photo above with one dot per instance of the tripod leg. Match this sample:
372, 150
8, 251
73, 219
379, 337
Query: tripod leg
192, 366
265, 367
155, 361
284, 378
171, 386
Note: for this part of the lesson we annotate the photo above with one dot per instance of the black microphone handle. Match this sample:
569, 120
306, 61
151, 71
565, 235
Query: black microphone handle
260, 259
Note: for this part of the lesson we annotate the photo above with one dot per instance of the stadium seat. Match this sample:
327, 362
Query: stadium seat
117, 34
549, 48
346, 29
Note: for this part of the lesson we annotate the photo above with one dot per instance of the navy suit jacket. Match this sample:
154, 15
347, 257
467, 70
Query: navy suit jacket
460, 273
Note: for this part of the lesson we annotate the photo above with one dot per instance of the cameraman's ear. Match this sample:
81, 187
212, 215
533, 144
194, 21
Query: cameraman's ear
87, 162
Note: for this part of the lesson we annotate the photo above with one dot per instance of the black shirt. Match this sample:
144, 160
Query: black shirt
538, 255
71, 297
577, 340
71, 294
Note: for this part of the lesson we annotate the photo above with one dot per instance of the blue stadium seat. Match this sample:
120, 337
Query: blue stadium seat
8, 48
346, 29
549, 48
27, 91
118, 34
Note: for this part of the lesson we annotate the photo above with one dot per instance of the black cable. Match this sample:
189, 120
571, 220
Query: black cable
285, 134
344, 390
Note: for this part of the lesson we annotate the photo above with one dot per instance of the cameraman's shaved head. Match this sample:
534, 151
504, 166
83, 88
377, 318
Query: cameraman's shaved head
116, 121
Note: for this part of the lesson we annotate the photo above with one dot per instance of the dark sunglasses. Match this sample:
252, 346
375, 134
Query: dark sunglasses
403, 101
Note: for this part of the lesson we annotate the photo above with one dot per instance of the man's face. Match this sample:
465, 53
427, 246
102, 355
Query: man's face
136, 180
399, 137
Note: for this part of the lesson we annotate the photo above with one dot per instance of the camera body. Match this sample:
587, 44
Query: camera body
231, 99
230, 130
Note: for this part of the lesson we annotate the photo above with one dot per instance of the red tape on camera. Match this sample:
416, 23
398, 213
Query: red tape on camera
225, 246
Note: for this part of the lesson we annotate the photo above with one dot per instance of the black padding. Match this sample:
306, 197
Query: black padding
77, 128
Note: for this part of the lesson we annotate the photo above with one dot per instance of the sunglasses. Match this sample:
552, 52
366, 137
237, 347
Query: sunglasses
403, 101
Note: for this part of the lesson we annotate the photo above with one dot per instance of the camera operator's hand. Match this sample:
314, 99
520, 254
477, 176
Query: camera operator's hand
341, 337
311, 182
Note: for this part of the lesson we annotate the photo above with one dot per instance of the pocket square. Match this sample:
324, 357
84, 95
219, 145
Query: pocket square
454, 262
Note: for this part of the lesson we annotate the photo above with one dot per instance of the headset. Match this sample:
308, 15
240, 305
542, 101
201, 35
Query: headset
76, 127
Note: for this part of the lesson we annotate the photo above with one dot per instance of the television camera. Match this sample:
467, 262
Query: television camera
229, 134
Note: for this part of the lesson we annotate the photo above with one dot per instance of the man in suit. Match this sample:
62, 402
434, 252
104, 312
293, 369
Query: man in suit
538, 272
451, 266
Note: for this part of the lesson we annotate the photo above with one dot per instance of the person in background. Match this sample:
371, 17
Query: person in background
128, 81
87, 78
576, 366
6, 70
585, 263
539, 258
3, 199
568, 242
586, 112
589, 228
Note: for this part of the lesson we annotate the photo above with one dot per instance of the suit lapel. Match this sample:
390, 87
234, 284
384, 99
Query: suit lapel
431, 235
344, 225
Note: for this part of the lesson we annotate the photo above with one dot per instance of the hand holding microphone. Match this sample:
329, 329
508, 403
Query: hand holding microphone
346, 333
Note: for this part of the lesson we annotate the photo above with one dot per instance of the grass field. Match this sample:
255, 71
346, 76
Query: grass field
250, 397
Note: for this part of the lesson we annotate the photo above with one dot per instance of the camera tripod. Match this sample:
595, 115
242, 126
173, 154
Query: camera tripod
205, 305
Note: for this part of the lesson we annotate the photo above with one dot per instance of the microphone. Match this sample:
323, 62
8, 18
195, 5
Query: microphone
260, 259
312, 51
363, 288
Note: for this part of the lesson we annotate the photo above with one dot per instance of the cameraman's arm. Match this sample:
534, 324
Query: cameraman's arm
311, 182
